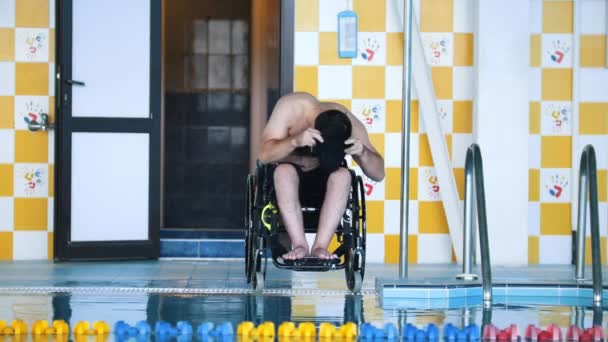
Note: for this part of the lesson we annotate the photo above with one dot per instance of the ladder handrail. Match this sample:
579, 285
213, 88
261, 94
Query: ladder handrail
474, 186
587, 185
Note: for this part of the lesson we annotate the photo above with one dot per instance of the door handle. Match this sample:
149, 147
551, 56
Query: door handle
43, 125
74, 82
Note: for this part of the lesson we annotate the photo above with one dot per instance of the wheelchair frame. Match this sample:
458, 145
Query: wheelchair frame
263, 225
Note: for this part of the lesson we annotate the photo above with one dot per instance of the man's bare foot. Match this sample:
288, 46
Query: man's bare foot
297, 252
323, 253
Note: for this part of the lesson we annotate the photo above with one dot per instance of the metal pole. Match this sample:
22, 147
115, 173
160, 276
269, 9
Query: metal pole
583, 185
405, 136
467, 257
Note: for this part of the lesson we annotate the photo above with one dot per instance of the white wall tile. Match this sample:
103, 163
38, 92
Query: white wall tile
434, 248
52, 13
555, 185
557, 50
7, 78
592, 85
50, 215
371, 113
428, 185
438, 48
372, 49
31, 45
460, 144
534, 151
392, 157
7, 213
29, 108
375, 248
328, 14
394, 83
594, 17
30, 245
555, 249
446, 115
464, 19
7, 13
414, 150
536, 16
306, 48
31, 180
533, 218
335, 82
535, 84
392, 224
463, 82
556, 118
7, 146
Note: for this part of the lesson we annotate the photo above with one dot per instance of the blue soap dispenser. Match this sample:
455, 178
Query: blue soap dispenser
347, 33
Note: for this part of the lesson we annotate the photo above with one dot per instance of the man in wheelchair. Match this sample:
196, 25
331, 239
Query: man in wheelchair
306, 141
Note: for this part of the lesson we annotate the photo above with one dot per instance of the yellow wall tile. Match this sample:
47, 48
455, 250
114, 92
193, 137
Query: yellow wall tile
393, 183
533, 250
557, 84
7, 44
557, 16
556, 152
306, 79
368, 82
555, 219
392, 248
31, 213
394, 115
533, 185
50, 244
593, 51
31, 147
7, 112
436, 16
51, 45
442, 82
413, 184
535, 50
534, 117
307, 15
424, 151
52, 108
588, 250
32, 78
394, 48
32, 13
601, 185
377, 140
593, 118
371, 15
6, 180
6, 246
459, 177
346, 103
328, 50
431, 218
375, 216
463, 117
463, 49
51, 180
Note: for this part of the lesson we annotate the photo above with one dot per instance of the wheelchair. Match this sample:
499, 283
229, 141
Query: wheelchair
263, 226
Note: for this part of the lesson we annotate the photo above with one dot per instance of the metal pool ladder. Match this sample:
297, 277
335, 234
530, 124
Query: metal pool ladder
474, 172
587, 188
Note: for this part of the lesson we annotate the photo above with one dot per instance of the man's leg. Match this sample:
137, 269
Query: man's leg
286, 187
334, 204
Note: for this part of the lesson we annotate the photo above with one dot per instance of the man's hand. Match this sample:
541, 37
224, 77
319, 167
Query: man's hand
356, 148
309, 137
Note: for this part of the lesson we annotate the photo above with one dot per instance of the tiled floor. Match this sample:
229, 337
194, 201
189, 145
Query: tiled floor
148, 290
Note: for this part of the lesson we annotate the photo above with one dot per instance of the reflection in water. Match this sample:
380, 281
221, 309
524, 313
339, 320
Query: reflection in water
216, 309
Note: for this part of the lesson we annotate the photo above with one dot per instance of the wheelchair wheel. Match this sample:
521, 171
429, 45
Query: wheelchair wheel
259, 271
355, 254
249, 226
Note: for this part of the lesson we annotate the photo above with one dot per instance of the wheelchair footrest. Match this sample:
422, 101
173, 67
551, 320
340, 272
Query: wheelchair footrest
310, 264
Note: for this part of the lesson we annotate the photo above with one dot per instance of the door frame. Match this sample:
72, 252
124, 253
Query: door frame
95, 250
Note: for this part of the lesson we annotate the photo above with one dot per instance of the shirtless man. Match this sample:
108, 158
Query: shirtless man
291, 127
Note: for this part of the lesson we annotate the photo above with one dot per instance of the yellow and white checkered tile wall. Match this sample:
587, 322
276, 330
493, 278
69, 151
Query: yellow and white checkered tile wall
370, 85
26, 159
552, 49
